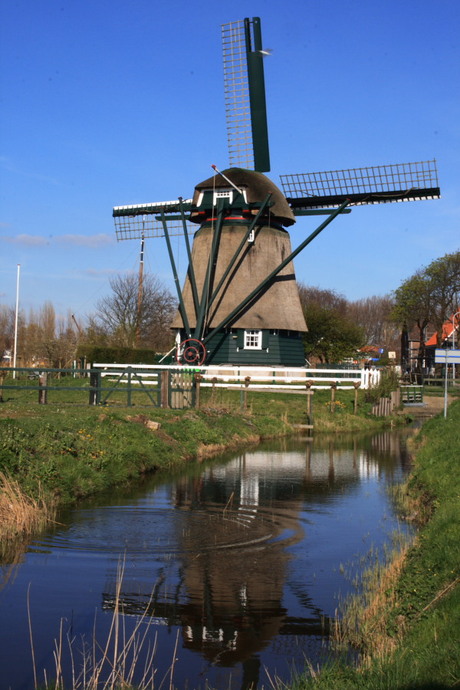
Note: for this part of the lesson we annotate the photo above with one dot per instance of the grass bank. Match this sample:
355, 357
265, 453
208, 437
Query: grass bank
409, 628
60, 452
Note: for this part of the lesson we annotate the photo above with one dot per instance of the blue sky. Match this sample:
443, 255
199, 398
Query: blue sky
113, 102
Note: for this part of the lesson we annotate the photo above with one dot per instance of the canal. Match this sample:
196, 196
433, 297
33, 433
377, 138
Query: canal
230, 571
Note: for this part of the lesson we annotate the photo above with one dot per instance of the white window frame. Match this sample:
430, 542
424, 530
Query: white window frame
252, 340
226, 193
222, 194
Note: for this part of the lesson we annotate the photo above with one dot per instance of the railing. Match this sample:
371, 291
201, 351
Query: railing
171, 386
282, 378
127, 387
411, 394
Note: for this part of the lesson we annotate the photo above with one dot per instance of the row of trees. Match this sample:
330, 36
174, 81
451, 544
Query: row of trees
338, 328
126, 318
129, 318
429, 299
42, 336
425, 302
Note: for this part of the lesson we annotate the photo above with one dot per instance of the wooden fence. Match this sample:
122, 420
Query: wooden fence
386, 406
261, 378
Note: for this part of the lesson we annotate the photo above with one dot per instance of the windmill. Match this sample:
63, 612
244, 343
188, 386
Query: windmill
239, 303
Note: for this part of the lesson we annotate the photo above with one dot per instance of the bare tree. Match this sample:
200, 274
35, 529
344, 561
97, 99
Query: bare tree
326, 299
130, 317
31, 340
6, 330
374, 316
47, 324
66, 341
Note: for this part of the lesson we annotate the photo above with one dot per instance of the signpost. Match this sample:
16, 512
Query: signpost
446, 357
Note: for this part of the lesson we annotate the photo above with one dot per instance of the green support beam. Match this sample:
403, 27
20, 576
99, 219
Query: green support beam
207, 286
191, 272
182, 309
237, 252
256, 83
228, 319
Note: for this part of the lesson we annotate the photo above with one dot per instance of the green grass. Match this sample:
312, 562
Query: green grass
73, 453
66, 450
421, 605
69, 450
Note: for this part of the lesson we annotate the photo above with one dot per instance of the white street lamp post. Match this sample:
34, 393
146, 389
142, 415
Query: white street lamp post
15, 350
454, 328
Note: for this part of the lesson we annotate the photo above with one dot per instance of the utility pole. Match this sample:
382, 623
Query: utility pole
77, 324
140, 292
16, 317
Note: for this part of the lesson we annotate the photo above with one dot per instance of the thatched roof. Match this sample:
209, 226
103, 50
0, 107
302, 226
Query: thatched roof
257, 187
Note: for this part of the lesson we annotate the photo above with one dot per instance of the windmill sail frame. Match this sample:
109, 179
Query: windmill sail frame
244, 89
371, 185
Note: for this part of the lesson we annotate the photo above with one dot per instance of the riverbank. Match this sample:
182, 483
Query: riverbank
408, 630
58, 453
76, 451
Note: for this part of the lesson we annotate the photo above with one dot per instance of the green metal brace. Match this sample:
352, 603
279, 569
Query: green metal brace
182, 310
241, 245
210, 268
271, 275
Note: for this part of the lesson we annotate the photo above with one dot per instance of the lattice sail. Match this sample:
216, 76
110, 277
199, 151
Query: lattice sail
236, 93
371, 185
244, 89
144, 220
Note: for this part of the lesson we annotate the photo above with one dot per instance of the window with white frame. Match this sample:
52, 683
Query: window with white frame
229, 194
252, 340
222, 194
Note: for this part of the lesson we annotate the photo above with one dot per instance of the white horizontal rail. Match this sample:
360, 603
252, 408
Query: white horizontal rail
266, 377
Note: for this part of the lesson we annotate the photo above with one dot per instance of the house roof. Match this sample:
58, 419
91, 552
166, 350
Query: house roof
447, 331
369, 349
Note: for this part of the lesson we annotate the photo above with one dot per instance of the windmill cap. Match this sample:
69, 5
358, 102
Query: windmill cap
256, 185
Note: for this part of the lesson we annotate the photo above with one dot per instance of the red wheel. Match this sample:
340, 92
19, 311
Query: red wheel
192, 351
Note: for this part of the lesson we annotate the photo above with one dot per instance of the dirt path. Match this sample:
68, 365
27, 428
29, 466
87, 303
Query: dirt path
432, 405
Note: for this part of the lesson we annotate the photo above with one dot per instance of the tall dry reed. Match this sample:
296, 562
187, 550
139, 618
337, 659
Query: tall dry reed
363, 623
20, 514
123, 660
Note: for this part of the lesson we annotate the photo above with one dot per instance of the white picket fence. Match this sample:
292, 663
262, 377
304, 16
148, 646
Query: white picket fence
272, 378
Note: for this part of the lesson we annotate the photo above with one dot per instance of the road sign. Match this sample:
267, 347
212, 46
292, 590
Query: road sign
442, 356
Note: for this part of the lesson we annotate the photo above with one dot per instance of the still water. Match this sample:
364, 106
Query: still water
238, 564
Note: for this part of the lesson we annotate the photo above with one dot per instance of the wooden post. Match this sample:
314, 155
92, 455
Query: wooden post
2, 378
94, 387
129, 391
356, 387
198, 379
213, 390
164, 388
42, 391
333, 390
308, 386
247, 380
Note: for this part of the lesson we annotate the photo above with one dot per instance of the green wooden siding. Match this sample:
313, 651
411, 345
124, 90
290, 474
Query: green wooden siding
284, 348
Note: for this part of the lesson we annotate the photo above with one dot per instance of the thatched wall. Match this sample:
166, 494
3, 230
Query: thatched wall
278, 307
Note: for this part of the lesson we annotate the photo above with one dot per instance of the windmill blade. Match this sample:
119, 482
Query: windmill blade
244, 88
373, 185
144, 220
